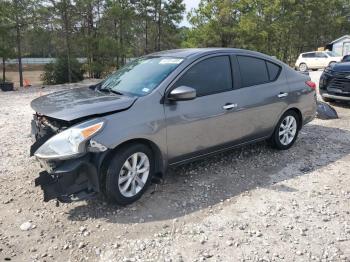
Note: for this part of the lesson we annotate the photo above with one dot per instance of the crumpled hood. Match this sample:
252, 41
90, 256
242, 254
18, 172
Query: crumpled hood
76, 103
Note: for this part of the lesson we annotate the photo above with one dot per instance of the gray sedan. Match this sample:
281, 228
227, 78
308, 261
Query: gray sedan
161, 110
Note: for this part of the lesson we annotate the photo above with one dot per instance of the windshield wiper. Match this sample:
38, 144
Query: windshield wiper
114, 91
110, 90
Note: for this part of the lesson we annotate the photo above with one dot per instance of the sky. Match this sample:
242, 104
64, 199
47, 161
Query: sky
189, 5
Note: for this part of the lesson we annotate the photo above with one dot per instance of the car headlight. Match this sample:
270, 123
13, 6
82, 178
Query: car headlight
70, 142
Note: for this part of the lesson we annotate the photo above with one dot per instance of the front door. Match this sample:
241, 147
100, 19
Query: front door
197, 125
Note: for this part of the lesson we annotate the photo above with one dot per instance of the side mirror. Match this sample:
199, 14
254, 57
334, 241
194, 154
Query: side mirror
182, 93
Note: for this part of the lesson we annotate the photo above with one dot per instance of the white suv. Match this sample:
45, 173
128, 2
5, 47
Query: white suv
316, 60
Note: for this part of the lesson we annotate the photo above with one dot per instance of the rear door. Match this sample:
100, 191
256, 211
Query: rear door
261, 96
310, 59
321, 60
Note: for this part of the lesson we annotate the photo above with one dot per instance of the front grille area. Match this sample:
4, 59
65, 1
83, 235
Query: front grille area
339, 84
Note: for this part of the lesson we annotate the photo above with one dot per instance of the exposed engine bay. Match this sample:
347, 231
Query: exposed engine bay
43, 128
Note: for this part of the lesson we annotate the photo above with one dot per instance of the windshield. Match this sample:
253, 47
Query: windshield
331, 54
140, 76
346, 58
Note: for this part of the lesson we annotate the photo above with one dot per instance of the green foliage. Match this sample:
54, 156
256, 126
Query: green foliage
282, 28
6, 40
57, 73
109, 32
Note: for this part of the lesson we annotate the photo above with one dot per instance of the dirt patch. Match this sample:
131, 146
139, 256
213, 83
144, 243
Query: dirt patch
250, 204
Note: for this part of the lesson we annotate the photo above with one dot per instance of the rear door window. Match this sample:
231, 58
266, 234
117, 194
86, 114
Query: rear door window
321, 55
209, 76
253, 71
256, 71
309, 55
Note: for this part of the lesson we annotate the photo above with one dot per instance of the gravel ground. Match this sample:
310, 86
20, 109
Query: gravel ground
250, 204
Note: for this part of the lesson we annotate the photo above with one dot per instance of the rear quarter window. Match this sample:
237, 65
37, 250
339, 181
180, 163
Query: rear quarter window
274, 70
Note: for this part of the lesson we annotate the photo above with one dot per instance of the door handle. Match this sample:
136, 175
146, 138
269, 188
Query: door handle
280, 95
229, 106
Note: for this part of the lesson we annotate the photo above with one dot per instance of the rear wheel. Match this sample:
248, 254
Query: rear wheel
286, 131
129, 174
302, 67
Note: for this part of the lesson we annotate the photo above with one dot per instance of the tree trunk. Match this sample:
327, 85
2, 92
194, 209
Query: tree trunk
159, 25
19, 47
91, 43
3, 70
19, 55
66, 32
146, 36
121, 41
155, 37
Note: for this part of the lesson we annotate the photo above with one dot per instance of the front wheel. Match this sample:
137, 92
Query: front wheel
286, 131
129, 174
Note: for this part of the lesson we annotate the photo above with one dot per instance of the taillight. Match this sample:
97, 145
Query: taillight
311, 84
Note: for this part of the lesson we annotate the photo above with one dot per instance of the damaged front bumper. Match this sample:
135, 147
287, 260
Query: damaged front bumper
69, 180
66, 180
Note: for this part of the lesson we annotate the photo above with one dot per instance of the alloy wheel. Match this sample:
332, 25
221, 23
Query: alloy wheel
287, 130
134, 174
302, 67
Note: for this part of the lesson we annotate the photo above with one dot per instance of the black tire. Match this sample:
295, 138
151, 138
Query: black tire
274, 141
112, 190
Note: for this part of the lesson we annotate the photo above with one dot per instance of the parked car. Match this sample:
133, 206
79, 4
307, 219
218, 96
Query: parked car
316, 60
345, 58
335, 82
162, 110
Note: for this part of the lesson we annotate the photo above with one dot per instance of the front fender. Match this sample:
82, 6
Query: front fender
144, 120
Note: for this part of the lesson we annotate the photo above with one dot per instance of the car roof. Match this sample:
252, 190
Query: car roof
194, 53
313, 52
189, 52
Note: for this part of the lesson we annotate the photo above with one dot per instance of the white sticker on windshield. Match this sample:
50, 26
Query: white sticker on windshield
146, 90
170, 61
